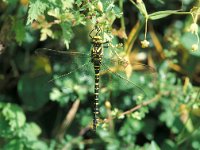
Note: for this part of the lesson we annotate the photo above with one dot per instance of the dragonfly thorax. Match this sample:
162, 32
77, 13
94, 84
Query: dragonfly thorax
97, 40
96, 55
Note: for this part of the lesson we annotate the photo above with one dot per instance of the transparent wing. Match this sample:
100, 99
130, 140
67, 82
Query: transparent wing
67, 60
119, 72
54, 53
67, 68
63, 57
115, 71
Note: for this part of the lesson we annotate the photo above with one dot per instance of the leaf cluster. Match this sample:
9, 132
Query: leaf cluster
35, 114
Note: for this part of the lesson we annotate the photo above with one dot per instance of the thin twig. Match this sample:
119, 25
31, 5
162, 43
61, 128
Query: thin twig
68, 119
156, 98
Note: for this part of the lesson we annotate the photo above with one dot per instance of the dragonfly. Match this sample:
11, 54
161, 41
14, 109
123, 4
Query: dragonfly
97, 63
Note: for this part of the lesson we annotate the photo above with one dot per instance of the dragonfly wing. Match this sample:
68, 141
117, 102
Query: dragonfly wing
117, 75
61, 56
68, 60
128, 75
58, 52
123, 64
66, 67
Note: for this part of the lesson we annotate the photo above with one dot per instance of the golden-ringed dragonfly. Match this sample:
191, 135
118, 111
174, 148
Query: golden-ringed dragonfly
105, 67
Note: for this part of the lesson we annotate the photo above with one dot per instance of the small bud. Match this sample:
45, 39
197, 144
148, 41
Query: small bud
100, 6
194, 28
105, 126
92, 7
115, 112
145, 43
136, 115
121, 117
194, 47
108, 105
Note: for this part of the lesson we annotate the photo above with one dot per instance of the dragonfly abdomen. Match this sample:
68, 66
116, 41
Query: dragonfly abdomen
96, 98
96, 59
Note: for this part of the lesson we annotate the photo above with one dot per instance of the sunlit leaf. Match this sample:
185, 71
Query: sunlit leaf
37, 8
12, 118
162, 14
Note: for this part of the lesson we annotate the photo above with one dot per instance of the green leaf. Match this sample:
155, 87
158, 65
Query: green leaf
40, 145
12, 118
153, 146
187, 40
67, 4
117, 12
67, 33
34, 91
14, 144
162, 14
36, 8
169, 144
19, 29
78, 2
168, 117
13, 2
136, 115
23, 144
142, 8
30, 131
55, 94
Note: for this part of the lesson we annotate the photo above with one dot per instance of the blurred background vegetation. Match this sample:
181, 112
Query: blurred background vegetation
35, 115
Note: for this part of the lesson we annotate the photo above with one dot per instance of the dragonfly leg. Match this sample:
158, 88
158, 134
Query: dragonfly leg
98, 30
90, 34
107, 44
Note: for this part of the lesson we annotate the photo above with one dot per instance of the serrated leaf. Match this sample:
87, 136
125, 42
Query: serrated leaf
118, 13
24, 144
67, 33
11, 119
108, 6
55, 13
67, 4
55, 94
31, 131
14, 115
36, 9
45, 32
78, 2
136, 115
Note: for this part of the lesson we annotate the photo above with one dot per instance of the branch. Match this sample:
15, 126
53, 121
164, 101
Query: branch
156, 98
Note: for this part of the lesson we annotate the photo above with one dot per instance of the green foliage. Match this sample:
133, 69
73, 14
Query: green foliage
43, 106
19, 30
37, 8
12, 118
30, 93
16, 132
66, 15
